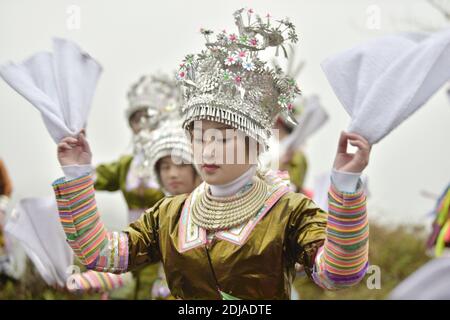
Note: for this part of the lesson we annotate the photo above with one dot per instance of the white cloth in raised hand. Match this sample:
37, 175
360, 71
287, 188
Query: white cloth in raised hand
35, 224
60, 85
312, 117
382, 82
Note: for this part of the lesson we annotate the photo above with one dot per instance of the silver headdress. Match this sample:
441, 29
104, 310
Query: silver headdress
230, 84
168, 137
157, 94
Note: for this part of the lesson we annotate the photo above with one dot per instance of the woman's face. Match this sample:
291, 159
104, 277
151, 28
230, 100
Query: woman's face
221, 153
177, 178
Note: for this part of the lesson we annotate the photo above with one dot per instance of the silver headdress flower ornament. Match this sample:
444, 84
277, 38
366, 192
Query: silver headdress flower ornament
292, 71
154, 93
229, 83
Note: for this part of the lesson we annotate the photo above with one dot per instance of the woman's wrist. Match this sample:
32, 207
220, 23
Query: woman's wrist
345, 181
76, 170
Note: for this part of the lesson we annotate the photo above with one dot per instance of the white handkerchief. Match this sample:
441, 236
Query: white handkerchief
13, 262
60, 85
382, 82
35, 224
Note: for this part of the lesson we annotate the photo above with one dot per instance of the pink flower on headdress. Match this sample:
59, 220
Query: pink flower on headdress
241, 54
290, 106
238, 79
232, 37
250, 11
230, 60
181, 75
254, 42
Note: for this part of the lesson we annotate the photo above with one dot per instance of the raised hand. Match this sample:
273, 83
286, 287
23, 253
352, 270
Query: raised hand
72, 151
352, 162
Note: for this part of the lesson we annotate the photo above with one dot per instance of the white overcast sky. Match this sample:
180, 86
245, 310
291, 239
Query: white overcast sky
130, 38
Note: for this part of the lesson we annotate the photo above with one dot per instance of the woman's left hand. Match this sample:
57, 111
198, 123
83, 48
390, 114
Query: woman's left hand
352, 162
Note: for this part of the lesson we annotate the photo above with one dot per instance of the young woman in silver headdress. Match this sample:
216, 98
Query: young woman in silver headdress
124, 174
239, 234
148, 100
170, 158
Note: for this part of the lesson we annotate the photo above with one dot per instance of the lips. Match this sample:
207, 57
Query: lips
174, 184
210, 167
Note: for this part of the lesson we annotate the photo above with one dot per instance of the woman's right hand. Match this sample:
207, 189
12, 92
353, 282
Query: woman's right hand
73, 151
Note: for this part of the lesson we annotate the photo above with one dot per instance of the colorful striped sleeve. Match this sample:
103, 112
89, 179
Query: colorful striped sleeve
96, 248
99, 282
343, 259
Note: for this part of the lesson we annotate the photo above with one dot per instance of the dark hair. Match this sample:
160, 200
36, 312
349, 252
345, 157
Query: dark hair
284, 125
143, 108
